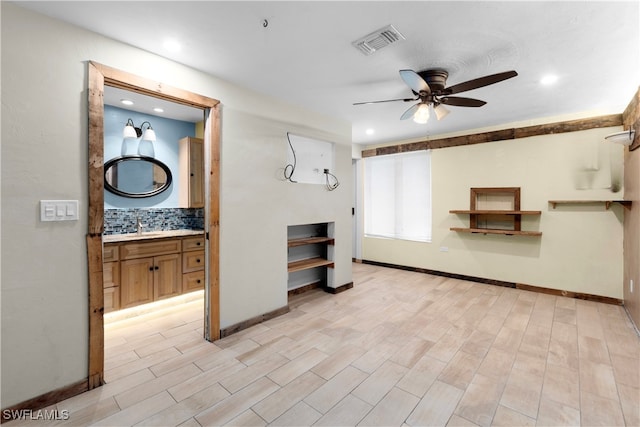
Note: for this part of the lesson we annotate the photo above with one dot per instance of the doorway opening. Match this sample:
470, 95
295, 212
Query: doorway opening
101, 76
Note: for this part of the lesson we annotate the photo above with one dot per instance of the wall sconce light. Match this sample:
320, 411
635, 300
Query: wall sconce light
624, 137
131, 131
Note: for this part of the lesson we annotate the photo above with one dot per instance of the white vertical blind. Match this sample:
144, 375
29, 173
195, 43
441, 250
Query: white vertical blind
397, 196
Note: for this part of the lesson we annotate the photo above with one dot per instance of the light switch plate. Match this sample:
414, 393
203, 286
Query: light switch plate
58, 210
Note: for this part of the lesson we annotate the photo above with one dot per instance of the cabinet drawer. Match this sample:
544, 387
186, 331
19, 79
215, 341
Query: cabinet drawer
193, 281
110, 253
145, 249
192, 261
193, 243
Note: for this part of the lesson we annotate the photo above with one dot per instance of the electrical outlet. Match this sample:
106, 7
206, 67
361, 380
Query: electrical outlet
444, 249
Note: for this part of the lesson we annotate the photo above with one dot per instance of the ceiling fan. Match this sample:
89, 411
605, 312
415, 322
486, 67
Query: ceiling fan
429, 88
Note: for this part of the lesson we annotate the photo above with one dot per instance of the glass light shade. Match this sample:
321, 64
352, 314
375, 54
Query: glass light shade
149, 135
129, 132
422, 115
441, 111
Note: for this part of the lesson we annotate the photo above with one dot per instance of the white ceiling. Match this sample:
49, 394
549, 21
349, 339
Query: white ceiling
304, 55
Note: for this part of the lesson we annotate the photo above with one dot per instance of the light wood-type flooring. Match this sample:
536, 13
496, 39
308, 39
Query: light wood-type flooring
400, 348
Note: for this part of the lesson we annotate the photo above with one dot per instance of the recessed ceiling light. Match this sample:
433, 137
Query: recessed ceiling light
172, 45
158, 110
370, 131
549, 79
126, 101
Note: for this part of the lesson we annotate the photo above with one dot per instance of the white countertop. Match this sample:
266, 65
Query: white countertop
113, 238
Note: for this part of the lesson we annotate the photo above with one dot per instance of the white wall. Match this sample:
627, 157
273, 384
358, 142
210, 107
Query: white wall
44, 156
580, 248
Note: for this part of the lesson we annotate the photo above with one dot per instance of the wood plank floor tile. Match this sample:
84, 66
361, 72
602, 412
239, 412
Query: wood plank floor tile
630, 402
562, 385
138, 412
378, 384
334, 390
552, 413
422, 376
508, 417
460, 370
338, 361
522, 392
237, 403
392, 410
282, 400
480, 400
148, 389
300, 415
599, 411
437, 405
180, 412
247, 419
598, 379
348, 412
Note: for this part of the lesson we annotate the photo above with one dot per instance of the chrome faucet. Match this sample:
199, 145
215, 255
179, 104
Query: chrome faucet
139, 225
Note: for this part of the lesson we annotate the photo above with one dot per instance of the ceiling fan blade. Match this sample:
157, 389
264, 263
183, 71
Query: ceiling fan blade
414, 81
480, 82
461, 102
410, 112
386, 100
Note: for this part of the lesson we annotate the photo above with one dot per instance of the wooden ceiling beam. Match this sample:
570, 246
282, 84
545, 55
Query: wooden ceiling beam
500, 135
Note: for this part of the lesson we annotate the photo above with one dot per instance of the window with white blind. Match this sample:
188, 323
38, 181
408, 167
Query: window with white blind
397, 196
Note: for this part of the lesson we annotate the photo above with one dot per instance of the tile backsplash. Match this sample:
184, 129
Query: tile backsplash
121, 221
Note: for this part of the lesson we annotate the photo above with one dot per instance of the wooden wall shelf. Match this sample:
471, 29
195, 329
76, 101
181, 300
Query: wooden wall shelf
494, 212
487, 213
292, 243
495, 231
607, 203
306, 264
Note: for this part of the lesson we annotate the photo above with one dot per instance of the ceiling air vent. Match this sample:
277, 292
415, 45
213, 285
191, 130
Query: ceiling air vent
378, 39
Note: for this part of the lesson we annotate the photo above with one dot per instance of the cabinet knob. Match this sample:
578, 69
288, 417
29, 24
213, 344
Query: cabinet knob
198, 281
151, 268
198, 244
156, 268
198, 260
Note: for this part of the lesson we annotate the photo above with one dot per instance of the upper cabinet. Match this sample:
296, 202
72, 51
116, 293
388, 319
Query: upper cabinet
191, 171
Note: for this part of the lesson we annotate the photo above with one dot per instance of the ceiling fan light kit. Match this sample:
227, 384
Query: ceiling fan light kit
429, 88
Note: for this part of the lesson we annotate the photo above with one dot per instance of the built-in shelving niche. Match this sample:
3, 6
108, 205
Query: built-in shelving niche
310, 255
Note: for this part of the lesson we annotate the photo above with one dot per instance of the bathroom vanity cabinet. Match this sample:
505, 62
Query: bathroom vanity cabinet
141, 270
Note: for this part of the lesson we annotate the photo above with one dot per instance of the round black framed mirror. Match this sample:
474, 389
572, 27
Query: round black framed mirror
136, 176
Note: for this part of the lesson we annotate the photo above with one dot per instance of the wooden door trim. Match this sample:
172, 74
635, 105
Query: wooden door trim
100, 75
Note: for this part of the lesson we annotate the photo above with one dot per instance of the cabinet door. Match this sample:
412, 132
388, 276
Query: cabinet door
136, 282
191, 176
167, 276
110, 274
196, 175
111, 299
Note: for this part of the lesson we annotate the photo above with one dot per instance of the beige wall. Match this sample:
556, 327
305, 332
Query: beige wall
580, 249
44, 156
